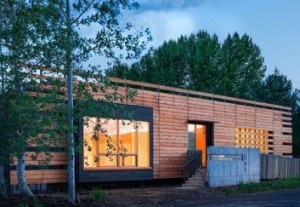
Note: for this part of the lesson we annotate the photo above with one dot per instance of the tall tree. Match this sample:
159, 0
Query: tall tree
296, 128
278, 89
188, 62
204, 62
200, 62
106, 37
24, 38
242, 68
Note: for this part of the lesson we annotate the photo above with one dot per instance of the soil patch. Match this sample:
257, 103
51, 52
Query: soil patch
154, 196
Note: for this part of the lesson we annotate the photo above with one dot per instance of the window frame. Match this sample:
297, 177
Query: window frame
141, 113
118, 155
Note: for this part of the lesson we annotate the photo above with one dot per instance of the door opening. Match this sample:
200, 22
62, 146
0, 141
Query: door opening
200, 136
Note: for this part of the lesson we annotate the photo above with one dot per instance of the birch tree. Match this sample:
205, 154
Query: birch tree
92, 28
24, 38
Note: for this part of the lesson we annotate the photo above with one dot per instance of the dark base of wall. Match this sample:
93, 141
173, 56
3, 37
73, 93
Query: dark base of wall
133, 184
34, 187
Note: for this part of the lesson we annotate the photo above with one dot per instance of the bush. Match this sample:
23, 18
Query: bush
22, 205
98, 194
37, 203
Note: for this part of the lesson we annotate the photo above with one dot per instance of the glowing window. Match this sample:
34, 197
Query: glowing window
114, 143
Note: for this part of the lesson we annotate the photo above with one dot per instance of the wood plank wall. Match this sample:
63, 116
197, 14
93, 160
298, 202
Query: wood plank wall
172, 109
274, 167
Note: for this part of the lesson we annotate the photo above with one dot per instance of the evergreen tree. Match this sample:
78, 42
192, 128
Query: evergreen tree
200, 62
296, 128
278, 89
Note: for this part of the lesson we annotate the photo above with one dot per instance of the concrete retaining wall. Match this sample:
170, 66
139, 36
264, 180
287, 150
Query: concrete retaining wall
231, 166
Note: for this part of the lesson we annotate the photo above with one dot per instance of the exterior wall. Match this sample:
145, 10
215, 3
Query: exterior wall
173, 108
228, 166
172, 112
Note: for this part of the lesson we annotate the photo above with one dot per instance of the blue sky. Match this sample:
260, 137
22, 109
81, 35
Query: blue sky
274, 25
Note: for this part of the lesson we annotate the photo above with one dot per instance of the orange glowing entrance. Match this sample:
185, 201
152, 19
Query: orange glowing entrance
199, 139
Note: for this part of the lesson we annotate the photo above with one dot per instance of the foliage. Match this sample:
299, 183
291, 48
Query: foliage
45, 34
264, 186
111, 39
36, 202
233, 68
200, 62
98, 194
22, 205
242, 67
296, 128
278, 89
25, 38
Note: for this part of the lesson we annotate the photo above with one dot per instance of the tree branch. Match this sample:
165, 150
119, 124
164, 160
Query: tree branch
62, 10
83, 12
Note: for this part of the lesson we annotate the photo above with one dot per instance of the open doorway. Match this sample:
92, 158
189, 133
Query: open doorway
200, 137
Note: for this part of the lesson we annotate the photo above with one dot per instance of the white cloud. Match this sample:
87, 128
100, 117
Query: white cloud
167, 25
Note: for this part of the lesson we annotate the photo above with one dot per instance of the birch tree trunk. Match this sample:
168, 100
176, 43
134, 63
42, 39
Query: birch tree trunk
22, 183
71, 151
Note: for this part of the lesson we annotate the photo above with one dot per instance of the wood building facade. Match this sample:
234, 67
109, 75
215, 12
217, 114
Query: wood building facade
174, 121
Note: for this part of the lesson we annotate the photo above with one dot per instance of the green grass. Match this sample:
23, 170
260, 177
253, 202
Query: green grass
264, 186
98, 194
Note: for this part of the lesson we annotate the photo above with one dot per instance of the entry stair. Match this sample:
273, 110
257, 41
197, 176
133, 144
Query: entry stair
197, 181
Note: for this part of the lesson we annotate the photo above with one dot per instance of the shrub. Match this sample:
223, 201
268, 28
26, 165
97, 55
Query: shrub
22, 205
36, 202
98, 194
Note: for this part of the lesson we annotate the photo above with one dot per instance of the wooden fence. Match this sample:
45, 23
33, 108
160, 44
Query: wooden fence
274, 167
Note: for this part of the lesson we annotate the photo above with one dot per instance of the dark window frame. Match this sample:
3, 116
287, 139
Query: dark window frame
139, 113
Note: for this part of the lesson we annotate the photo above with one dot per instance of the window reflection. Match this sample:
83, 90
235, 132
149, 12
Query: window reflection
115, 143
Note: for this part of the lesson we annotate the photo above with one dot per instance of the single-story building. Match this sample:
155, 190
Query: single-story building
165, 123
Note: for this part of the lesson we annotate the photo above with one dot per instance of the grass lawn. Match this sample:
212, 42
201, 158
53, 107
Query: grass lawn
263, 186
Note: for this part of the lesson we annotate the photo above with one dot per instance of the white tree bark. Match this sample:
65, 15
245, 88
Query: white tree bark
22, 183
71, 151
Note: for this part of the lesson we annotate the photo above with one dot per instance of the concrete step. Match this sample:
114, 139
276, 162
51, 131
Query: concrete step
196, 181
192, 186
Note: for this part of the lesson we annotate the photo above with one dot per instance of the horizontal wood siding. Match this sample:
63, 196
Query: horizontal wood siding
173, 111
41, 176
173, 108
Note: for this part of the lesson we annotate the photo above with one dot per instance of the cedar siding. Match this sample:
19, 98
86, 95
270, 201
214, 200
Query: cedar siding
173, 109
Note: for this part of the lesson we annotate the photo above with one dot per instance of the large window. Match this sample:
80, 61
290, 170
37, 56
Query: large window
114, 143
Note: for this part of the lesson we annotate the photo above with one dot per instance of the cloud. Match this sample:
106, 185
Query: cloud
165, 25
163, 5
